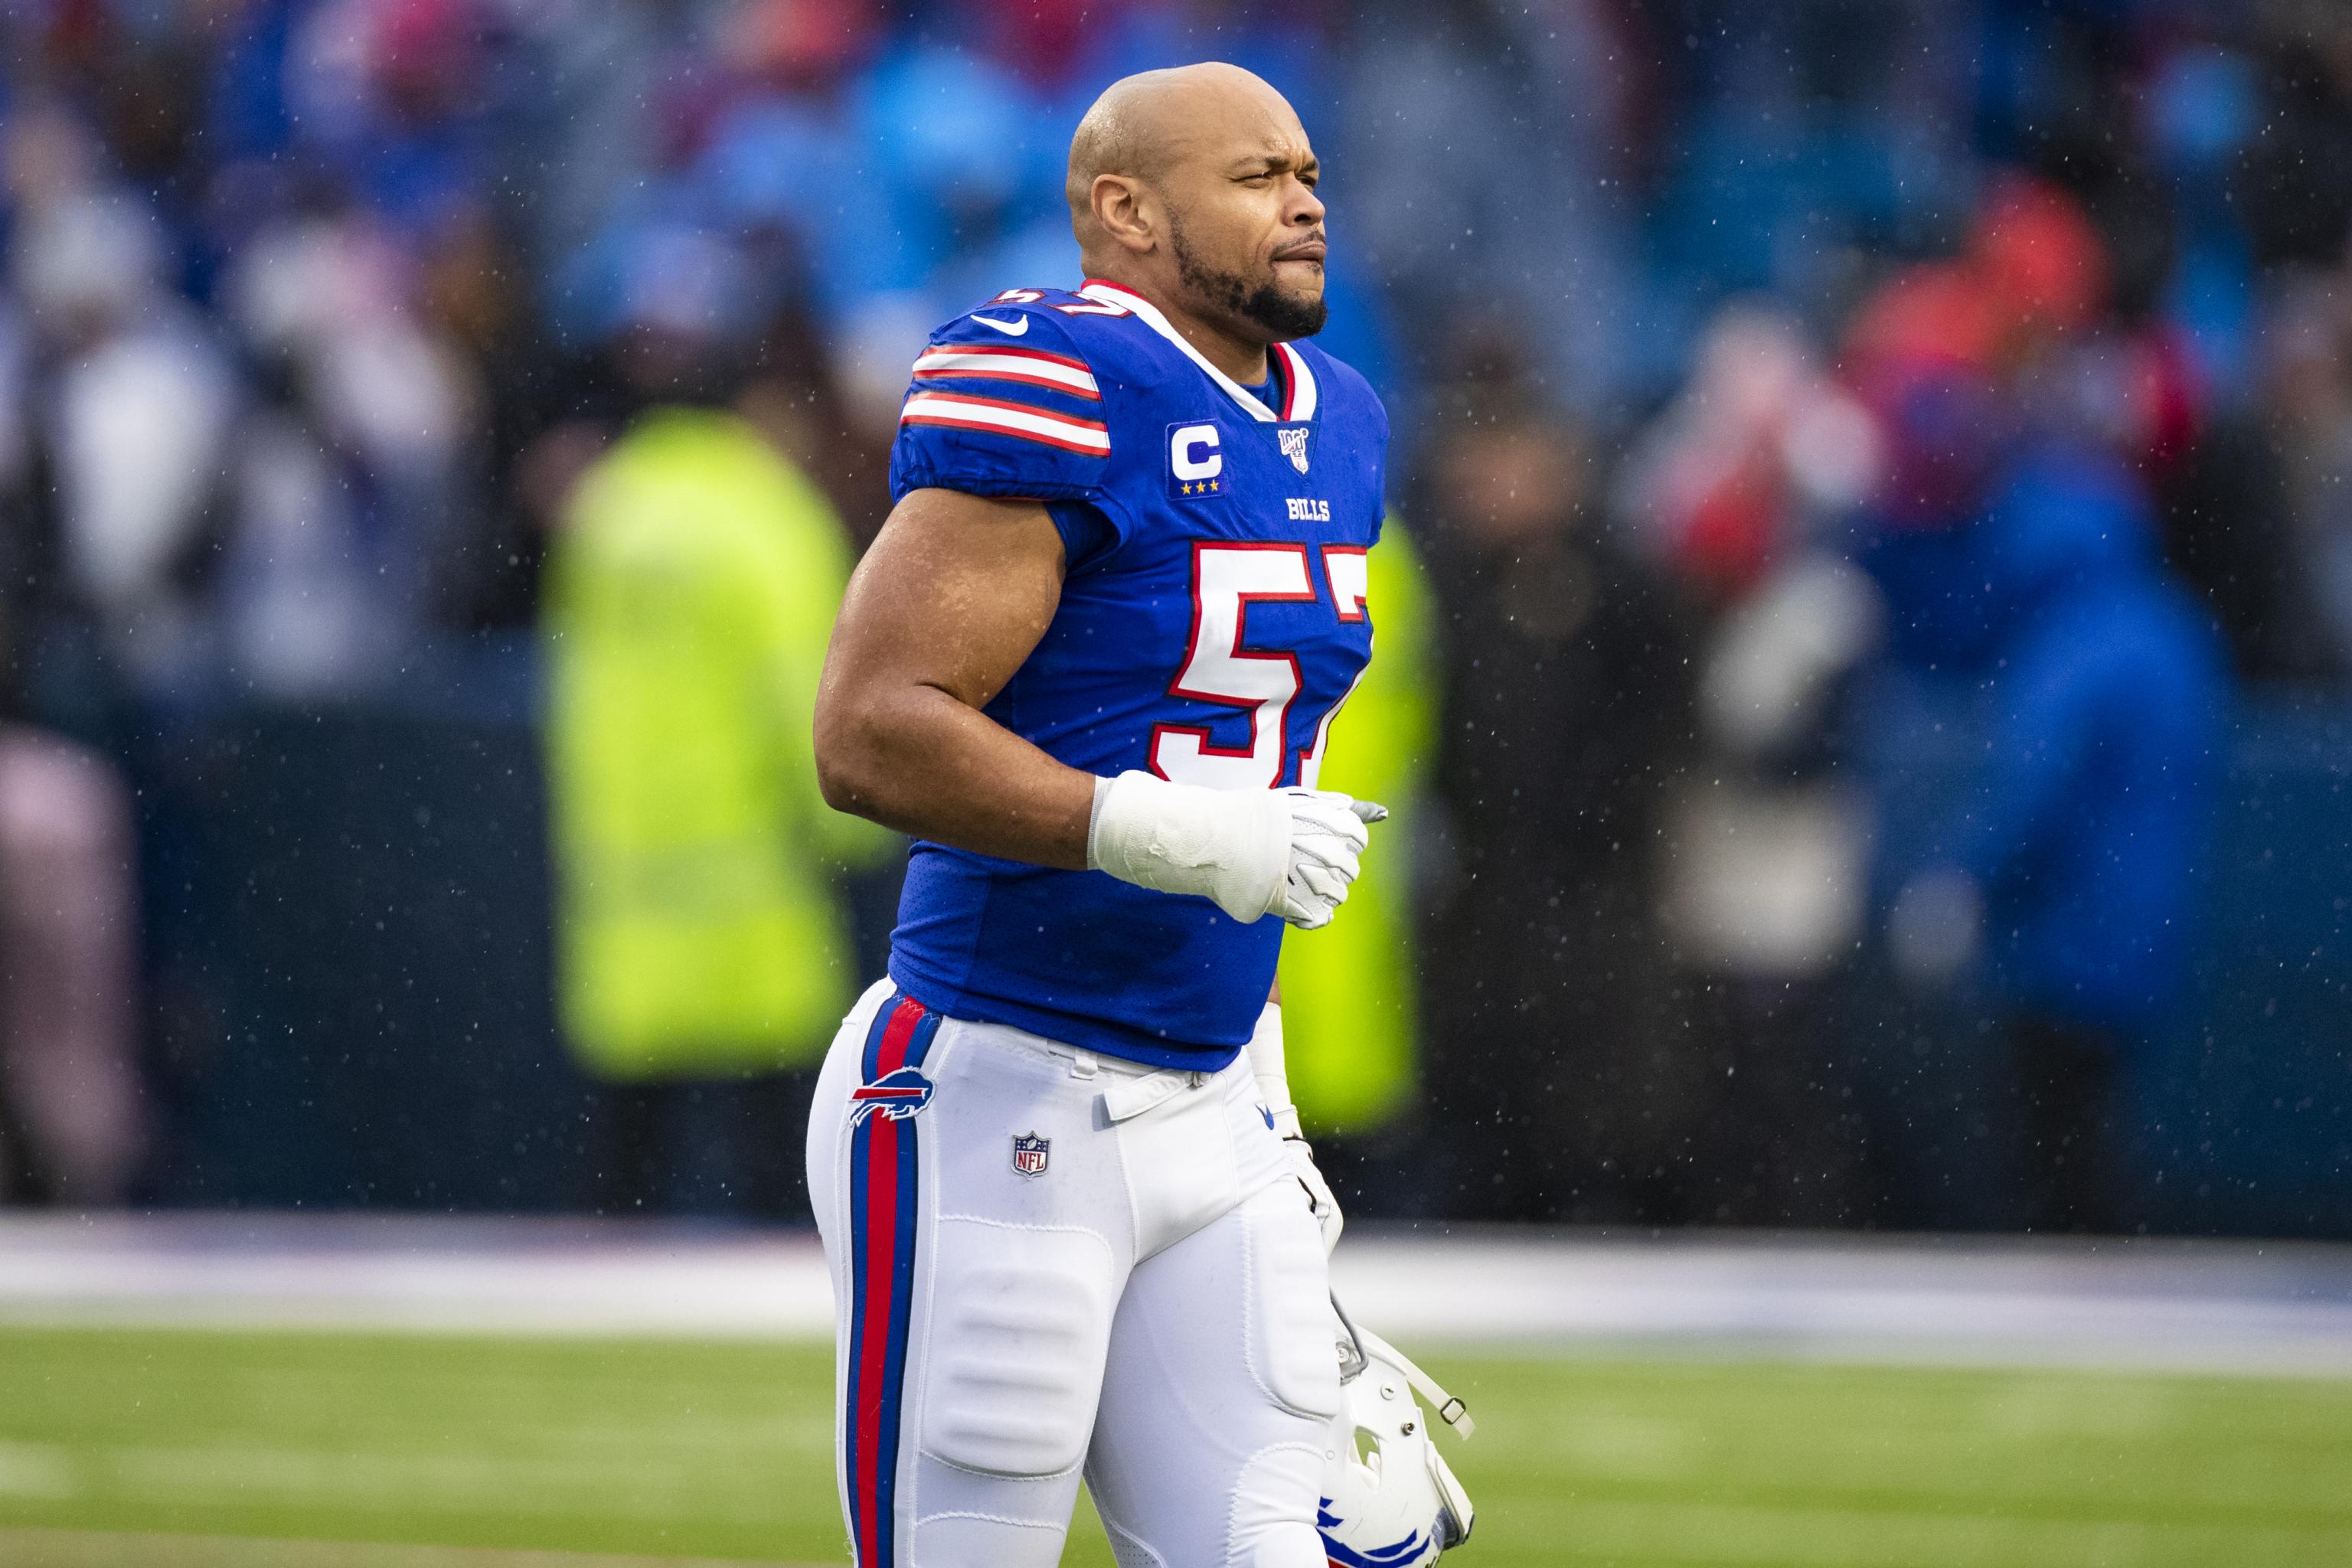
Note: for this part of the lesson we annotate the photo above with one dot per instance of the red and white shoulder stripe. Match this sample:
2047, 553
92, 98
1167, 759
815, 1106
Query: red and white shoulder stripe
1002, 416
993, 361
1010, 372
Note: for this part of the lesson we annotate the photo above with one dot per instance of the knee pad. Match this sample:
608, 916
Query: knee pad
975, 1540
1020, 1324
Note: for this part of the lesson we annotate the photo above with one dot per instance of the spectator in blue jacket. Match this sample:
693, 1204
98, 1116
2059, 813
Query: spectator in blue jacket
2068, 873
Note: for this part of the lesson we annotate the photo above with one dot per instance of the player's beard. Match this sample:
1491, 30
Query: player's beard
1284, 315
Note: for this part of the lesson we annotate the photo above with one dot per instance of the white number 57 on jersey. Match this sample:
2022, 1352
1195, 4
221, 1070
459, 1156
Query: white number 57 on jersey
1226, 580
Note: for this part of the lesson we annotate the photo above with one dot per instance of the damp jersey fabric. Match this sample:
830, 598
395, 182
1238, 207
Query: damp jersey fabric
1213, 618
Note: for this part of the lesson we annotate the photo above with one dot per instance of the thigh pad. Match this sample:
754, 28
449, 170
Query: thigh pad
1020, 1324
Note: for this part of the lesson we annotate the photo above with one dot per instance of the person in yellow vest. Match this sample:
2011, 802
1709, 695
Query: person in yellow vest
1351, 1004
703, 946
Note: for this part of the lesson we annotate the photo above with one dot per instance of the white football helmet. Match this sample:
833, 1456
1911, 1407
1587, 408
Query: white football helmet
1388, 1500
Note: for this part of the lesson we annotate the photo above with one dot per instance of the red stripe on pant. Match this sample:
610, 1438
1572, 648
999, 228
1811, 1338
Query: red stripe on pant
881, 1253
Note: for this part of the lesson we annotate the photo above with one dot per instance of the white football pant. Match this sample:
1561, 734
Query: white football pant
1046, 1263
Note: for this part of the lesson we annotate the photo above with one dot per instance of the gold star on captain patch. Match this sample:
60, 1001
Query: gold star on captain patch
1188, 490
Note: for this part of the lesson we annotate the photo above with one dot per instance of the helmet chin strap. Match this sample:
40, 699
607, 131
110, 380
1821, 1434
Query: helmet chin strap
1364, 1344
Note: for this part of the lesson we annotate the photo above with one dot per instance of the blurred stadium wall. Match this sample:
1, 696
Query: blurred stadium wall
1781, 393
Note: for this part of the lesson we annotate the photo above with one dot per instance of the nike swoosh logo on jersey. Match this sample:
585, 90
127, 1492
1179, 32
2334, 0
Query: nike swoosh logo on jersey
1012, 328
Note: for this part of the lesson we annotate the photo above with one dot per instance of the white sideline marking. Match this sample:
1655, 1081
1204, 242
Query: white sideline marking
553, 1277
108, 1548
2149, 1305
2162, 1305
446, 1483
35, 1471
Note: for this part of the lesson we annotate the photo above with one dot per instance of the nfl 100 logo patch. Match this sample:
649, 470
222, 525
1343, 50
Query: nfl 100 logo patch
1292, 440
1030, 1153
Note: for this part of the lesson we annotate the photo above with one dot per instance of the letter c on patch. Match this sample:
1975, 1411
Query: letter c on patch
1192, 452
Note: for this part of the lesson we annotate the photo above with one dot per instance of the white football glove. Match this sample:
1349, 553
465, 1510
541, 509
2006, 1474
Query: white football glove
1272, 1077
1289, 852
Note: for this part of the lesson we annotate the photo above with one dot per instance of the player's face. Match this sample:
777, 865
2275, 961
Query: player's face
1246, 227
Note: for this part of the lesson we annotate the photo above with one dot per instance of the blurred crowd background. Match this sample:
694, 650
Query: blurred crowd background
1863, 649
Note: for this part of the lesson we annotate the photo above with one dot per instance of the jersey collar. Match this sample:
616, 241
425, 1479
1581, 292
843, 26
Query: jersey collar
1298, 390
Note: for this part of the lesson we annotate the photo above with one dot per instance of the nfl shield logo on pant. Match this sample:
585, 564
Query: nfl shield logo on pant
1029, 1153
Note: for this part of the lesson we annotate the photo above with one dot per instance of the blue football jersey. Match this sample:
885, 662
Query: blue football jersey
1213, 620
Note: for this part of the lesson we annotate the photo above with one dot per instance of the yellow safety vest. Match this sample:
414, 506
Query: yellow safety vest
1349, 995
689, 601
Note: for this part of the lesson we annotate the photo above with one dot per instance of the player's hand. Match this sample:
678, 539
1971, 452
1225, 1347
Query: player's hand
1329, 831
1319, 1191
1289, 852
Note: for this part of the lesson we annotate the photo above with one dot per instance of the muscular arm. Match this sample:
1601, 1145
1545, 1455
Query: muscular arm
953, 595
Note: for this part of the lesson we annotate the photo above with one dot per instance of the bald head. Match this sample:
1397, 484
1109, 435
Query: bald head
1196, 188
1147, 124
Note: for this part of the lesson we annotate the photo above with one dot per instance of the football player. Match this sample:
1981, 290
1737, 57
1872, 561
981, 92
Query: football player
1090, 666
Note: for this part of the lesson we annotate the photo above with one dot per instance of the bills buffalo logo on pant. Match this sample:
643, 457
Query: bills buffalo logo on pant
884, 1168
895, 1095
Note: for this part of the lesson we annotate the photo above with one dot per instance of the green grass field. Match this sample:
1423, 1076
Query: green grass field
652, 1449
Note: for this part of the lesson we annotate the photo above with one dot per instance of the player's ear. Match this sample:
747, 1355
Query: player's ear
1123, 213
